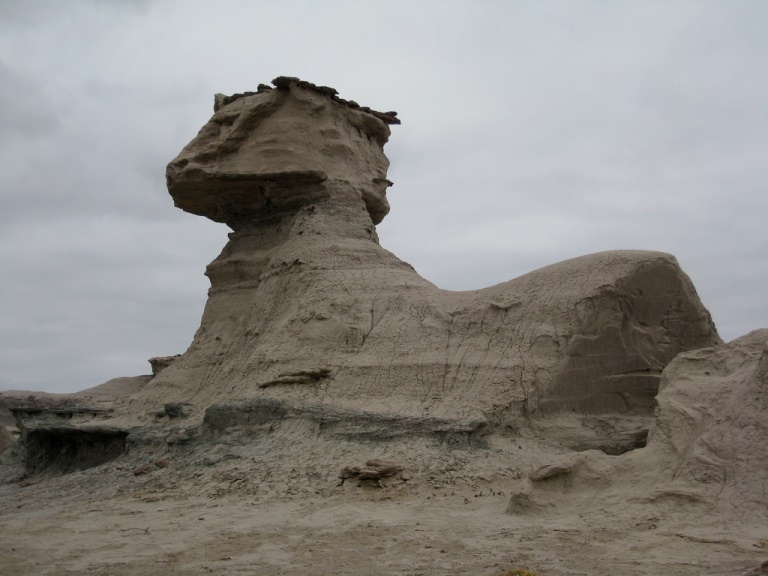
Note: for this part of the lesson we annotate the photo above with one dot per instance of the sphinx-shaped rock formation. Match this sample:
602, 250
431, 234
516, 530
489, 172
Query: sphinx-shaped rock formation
305, 307
309, 318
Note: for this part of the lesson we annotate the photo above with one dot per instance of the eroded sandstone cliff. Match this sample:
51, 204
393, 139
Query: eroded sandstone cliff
306, 306
308, 314
705, 457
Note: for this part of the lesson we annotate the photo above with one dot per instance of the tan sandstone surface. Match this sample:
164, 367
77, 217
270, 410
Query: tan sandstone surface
691, 502
584, 418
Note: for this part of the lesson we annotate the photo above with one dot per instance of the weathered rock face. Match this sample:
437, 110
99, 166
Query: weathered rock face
277, 150
705, 453
307, 308
713, 422
6, 439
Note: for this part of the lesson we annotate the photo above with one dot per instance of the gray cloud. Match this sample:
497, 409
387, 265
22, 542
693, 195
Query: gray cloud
532, 132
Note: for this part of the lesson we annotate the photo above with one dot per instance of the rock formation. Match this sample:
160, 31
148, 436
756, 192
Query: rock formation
306, 306
712, 423
705, 452
6, 439
308, 314
319, 351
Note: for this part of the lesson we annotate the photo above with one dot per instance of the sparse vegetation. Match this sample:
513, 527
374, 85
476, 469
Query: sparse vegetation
519, 572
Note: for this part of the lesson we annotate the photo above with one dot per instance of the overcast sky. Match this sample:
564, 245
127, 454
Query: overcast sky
533, 131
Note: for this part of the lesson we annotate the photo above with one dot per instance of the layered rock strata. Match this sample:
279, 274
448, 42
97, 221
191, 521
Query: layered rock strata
705, 453
307, 307
309, 317
712, 424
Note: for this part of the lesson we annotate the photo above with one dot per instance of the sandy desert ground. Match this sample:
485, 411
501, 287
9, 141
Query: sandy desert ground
242, 511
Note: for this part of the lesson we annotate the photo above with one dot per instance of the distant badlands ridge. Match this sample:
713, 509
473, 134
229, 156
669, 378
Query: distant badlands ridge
308, 317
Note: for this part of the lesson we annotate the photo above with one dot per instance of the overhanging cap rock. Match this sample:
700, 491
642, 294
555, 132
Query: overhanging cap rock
274, 149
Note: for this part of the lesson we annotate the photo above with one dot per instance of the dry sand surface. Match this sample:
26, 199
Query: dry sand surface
242, 512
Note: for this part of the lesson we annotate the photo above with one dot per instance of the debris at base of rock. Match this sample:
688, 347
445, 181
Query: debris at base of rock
170, 410
373, 470
551, 471
174, 410
521, 503
757, 570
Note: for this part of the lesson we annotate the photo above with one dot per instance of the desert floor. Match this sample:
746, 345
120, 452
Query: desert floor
234, 514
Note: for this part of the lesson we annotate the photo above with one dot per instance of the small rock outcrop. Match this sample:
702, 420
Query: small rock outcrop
705, 453
6, 439
712, 424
